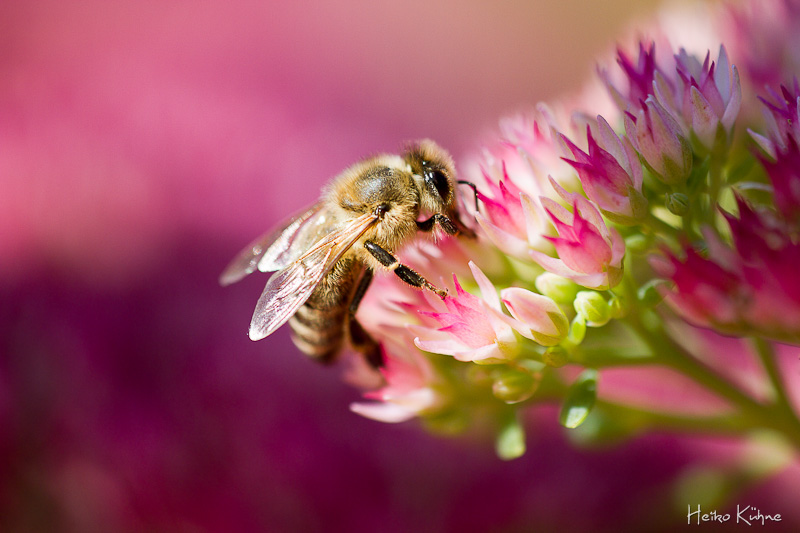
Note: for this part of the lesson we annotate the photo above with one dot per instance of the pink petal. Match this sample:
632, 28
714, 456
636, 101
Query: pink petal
508, 243
488, 291
383, 412
490, 351
735, 102
470, 335
704, 121
447, 347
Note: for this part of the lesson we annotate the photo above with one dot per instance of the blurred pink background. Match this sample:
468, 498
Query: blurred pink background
142, 144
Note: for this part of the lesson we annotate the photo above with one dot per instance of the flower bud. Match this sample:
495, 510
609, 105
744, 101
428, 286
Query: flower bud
479, 375
514, 386
577, 330
677, 203
555, 356
561, 290
610, 173
593, 308
660, 141
537, 317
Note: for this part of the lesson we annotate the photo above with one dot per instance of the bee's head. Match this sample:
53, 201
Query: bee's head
435, 175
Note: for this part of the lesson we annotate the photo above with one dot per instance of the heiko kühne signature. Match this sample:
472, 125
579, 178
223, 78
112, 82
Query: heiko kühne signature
747, 515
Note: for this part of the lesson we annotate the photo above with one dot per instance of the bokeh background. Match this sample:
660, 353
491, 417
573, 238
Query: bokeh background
142, 144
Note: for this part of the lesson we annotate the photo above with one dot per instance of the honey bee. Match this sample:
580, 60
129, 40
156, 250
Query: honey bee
324, 259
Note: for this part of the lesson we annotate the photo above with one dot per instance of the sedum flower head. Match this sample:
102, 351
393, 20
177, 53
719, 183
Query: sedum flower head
598, 252
750, 287
764, 38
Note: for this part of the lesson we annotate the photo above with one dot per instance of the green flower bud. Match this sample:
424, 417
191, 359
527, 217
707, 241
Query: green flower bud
514, 386
555, 356
593, 308
558, 289
577, 331
480, 375
677, 203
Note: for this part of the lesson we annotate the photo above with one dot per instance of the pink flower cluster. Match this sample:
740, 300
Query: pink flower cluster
751, 288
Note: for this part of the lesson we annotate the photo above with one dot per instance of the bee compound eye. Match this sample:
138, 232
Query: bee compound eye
439, 181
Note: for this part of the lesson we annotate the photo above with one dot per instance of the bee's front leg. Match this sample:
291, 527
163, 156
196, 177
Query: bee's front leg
450, 226
402, 271
445, 223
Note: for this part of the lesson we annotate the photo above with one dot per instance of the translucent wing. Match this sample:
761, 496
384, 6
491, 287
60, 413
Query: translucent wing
277, 248
291, 287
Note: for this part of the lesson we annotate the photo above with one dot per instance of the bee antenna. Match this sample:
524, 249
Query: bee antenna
474, 190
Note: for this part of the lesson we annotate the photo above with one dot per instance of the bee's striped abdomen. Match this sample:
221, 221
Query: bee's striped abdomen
318, 327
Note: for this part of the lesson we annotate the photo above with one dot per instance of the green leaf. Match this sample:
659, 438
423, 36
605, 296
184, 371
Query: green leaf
580, 400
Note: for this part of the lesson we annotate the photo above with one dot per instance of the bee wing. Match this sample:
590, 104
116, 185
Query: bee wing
276, 248
288, 289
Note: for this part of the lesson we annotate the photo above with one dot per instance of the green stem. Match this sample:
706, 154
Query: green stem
714, 186
766, 353
636, 420
659, 227
649, 420
753, 413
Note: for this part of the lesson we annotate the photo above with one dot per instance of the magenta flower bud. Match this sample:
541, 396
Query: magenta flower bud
706, 100
784, 173
640, 76
611, 175
589, 252
511, 219
703, 290
782, 116
660, 141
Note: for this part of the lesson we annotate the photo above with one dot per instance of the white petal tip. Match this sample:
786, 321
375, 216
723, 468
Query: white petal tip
256, 334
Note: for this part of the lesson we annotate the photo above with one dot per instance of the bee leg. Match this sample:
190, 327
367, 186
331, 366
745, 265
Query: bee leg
474, 190
449, 226
402, 271
360, 340
445, 223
